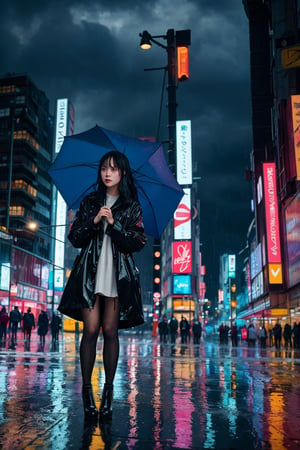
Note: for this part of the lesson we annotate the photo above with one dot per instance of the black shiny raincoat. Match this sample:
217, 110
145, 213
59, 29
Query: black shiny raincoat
127, 236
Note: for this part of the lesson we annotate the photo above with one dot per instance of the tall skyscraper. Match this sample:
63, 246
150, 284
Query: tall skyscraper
26, 135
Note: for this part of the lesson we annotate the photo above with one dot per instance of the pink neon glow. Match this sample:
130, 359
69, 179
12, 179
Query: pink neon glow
182, 257
272, 221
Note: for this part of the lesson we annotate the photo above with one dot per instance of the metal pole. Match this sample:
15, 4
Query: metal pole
230, 299
172, 105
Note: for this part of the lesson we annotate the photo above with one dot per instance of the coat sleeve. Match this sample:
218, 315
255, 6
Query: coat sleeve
83, 228
129, 236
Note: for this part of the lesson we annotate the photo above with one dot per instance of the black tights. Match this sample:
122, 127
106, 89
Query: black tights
106, 312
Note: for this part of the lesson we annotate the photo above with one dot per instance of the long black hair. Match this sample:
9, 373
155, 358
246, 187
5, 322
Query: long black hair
127, 187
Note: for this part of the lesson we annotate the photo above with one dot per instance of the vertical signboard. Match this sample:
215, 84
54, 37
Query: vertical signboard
295, 103
292, 225
184, 152
182, 257
182, 217
272, 224
231, 266
61, 130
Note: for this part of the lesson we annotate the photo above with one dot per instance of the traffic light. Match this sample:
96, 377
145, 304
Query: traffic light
233, 301
156, 271
183, 63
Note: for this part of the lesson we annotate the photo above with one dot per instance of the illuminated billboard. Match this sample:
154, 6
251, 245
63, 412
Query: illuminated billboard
182, 284
292, 226
231, 266
184, 152
182, 257
63, 127
256, 261
272, 224
182, 217
295, 104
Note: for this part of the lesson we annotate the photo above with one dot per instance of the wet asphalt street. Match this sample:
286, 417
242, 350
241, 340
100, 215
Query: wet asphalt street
166, 397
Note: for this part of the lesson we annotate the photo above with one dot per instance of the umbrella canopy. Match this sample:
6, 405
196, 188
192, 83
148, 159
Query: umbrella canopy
75, 171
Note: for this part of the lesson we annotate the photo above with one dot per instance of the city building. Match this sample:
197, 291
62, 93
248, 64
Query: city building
26, 130
273, 269
33, 216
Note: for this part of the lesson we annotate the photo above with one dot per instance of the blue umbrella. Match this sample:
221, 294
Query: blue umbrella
75, 171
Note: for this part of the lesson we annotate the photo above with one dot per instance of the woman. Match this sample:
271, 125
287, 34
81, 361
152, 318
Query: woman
103, 288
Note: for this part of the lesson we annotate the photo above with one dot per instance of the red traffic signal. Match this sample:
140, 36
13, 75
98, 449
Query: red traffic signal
183, 63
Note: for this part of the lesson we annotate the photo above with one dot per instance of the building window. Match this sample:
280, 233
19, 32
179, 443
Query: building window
4, 112
7, 89
20, 100
21, 184
16, 211
24, 135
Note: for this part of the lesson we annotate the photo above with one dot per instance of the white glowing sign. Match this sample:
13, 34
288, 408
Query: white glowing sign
184, 152
182, 217
61, 208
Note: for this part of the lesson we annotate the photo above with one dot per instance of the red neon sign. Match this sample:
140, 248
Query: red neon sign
182, 257
272, 220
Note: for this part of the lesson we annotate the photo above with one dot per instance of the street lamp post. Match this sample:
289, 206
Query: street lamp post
174, 39
172, 105
36, 229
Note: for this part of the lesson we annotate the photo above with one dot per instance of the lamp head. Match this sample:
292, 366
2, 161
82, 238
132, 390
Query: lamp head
32, 226
145, 41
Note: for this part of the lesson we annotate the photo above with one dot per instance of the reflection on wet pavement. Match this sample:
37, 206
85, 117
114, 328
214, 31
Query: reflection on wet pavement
166, 396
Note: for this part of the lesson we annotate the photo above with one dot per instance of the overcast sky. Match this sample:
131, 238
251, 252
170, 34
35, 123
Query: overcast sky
89, 52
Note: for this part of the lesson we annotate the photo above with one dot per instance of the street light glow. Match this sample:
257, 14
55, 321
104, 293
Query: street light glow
145, 41
32, 226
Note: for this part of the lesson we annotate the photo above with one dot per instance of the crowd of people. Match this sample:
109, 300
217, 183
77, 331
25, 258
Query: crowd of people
288, 336
169, 330
14, 321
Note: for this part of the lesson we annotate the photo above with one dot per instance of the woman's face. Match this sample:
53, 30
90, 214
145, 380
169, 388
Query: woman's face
110, 174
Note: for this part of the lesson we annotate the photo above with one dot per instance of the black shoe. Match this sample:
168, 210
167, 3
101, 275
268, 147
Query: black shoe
90, 410
106, 402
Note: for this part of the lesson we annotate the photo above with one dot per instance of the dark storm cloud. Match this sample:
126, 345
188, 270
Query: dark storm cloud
89, 51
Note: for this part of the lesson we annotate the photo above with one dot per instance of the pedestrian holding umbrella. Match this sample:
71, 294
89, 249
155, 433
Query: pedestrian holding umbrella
103, 289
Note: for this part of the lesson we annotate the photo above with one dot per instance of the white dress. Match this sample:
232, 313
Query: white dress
106, 283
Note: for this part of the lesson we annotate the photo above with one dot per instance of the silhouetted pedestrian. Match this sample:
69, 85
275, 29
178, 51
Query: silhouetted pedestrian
277, 333
251, 336
28, 324
184, 330
222, 333
234, 335
271, 337
262, 336
173, 328
55, 326
43, 326
287, 335
14, 320
3, 323
296, 335
163, 328
197, 332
